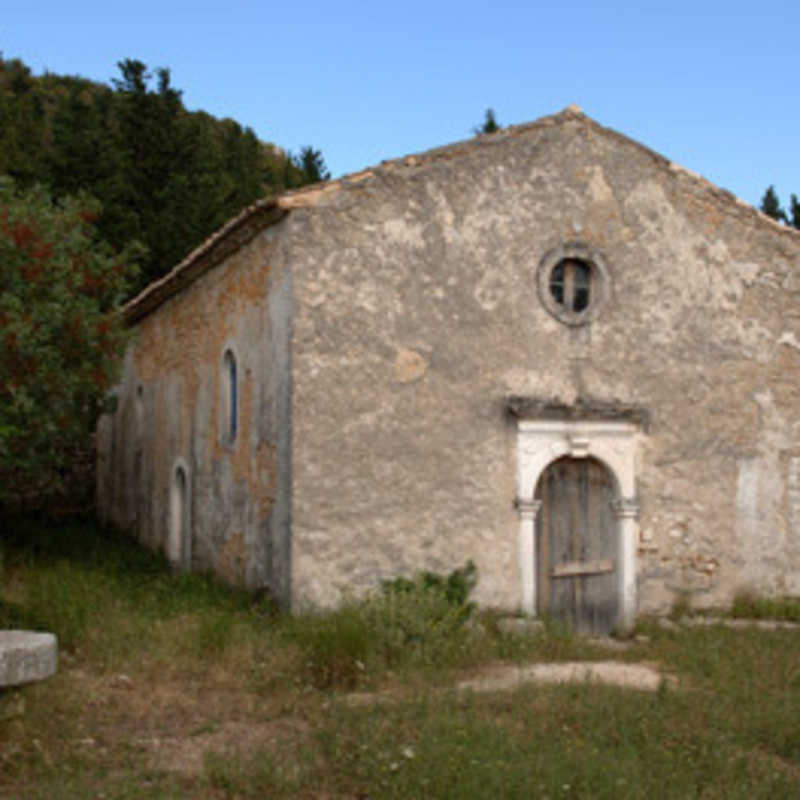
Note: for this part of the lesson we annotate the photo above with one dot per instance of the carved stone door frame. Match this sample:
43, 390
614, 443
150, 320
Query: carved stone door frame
613, 442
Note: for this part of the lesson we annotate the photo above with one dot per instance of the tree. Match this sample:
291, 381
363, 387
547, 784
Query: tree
61, 336
771, 205
794, 211
22, 111
489, 124
163, 175
311, 165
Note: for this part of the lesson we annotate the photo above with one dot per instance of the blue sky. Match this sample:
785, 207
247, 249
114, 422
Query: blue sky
711, 85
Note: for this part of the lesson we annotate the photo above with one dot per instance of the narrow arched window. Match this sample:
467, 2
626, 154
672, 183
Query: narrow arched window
230, 402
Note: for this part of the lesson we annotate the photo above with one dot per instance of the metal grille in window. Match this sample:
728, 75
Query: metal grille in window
570, 284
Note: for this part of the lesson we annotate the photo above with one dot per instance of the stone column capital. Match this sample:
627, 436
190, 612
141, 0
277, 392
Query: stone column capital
527, 507
625, 508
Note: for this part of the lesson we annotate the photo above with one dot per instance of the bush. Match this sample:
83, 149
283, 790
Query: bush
417, 621
61, 336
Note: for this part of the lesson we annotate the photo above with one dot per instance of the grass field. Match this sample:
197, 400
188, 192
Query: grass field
175, 687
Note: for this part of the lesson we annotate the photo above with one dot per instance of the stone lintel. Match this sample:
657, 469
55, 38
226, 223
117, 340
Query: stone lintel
523, 407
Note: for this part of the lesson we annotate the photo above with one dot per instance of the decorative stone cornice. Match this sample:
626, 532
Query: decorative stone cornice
582, 409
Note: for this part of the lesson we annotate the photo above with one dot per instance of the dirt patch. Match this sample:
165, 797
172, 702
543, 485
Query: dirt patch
175, 725
186, 754
507, 677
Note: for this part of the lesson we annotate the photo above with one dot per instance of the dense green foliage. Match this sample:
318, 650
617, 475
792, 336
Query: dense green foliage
60, 336
89, 176
771, 206
455, 587
164, 176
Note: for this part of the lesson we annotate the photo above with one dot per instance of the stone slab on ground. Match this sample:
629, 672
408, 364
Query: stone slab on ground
26, 656
507, 677
614, 673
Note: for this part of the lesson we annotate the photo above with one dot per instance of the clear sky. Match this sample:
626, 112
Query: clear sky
711, 85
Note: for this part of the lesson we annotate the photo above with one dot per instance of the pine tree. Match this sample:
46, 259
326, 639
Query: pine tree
771, 205
311, 165
489, 124
794, 211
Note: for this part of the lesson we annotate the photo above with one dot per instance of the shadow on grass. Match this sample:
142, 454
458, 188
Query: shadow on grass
79, 576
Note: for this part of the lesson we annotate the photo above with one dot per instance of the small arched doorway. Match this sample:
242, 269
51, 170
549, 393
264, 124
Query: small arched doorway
179, 525
577, 545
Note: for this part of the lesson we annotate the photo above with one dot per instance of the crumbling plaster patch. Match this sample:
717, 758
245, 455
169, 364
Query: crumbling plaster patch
697, 273
763, 486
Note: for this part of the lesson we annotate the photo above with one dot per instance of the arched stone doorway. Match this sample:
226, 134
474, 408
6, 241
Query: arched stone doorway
611, 444
577, 545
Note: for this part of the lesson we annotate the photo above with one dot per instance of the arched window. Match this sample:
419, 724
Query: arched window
230, 400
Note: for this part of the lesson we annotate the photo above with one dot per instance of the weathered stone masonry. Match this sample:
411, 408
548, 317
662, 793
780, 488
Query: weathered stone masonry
384, 322
169, 408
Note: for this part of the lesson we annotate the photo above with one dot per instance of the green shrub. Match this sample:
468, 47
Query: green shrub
421, 620
455, 588
417, 621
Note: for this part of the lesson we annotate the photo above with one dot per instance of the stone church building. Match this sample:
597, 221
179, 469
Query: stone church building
549, 350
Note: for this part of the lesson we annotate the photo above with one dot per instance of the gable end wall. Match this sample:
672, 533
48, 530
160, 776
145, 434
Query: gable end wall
417, 314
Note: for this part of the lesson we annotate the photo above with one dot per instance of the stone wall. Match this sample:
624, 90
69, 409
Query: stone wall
417, 313
170, 408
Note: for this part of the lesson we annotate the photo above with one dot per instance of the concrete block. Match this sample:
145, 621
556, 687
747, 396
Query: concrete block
26, 656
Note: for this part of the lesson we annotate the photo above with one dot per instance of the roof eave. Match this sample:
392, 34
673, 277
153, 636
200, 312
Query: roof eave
229, 238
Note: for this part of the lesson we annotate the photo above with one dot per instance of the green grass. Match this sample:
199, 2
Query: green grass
177, 687
750, 606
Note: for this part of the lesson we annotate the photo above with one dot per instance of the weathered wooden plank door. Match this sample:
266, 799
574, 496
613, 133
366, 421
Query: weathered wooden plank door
577, 545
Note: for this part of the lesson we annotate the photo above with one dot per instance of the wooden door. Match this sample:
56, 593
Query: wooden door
577, 545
